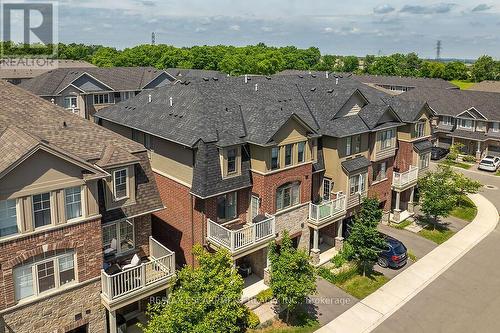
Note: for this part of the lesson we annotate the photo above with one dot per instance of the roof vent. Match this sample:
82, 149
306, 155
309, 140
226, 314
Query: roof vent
246, 78
215, 78
326, 74
336, 80
171, 101
53, 100
268, 77
64, 124
329, 91
256, 87
205, 79
313, 89
313, 75
150, 98
301, 76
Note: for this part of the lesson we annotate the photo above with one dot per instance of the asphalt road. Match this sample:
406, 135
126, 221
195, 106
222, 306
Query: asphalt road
465, 298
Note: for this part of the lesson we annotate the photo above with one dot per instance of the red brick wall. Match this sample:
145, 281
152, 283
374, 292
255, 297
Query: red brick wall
178, 226
243, 198
142, 233
404, 156
265, 185
382, 190
85, 238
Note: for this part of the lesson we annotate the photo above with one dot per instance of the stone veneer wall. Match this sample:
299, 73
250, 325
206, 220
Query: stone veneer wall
295, 222
59, 313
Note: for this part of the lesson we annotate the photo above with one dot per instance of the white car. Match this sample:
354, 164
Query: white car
489, 163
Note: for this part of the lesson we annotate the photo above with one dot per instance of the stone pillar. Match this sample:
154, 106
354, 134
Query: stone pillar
410, 203
112, 322
339, 243
267, 276
316, 239
315, 256
385, 217
478, 151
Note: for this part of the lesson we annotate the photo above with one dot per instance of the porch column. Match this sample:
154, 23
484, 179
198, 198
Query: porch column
410, 203
316, 239
478, 151
112, 322
339, 240
396, 216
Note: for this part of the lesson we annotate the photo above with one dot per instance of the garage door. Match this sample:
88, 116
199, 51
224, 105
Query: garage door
494, 150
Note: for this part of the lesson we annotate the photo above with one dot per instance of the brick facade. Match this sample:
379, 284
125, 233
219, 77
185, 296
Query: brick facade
265, 185
382, 190
85, 238
404, 156
59, 313
142, 232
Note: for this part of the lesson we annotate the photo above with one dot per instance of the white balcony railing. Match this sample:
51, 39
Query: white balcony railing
235, 240
404, 179
161, 267
327, 210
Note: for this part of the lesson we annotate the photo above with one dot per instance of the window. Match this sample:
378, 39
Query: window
123, 234
275, 158
255, 206
466, 123
8, 218
495, 127
446, 120
288, 155
353, 145
41, 209
386, 138
301, 152
357, 184
70, 102
231, 160
379, 171
419, 129
287, 195
120, 184
44, 275
327, 188
424, 160
101, 99
73, 202
226, 207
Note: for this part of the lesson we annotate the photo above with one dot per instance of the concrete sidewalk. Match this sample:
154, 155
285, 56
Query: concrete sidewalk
374, 309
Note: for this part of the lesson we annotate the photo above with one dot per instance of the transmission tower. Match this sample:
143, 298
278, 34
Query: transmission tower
438, 50
153, 38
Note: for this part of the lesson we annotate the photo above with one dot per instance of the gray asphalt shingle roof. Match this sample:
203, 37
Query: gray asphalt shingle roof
355, 164
422, 145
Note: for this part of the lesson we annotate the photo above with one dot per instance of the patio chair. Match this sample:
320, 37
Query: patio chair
136, 261
112, 248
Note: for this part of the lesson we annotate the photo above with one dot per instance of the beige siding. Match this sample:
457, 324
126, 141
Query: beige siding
260, 158
110, 197
122, 130
172, 159
72, 92
291, 132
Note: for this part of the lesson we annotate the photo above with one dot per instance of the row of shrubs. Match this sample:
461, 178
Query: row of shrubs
340, 277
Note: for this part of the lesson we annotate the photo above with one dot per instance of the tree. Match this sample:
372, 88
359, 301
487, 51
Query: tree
293, 277
463, 185
432, 69
437, 193
350, 64
204, 299
483, 69
364, 237
456, 70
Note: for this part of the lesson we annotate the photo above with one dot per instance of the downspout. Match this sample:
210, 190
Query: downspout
192, 230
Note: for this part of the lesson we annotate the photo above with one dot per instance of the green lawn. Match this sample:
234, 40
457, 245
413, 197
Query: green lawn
457, 164
438, 235
466, 210
361, 286
401, 225
462, 84
299, 323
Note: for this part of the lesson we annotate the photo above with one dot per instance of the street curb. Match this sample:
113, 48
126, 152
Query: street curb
370, 312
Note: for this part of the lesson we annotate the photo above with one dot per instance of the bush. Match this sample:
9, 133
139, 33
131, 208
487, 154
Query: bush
469, 158
338, 260
347, 251
340, 277
264, 296
252, 319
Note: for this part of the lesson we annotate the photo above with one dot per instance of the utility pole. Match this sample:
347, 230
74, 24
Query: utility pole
153, 38
438, 50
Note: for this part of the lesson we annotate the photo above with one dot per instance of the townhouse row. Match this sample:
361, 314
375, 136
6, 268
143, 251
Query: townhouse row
240, 160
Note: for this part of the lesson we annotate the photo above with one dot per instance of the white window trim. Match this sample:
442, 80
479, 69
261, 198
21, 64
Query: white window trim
236, 166
304, 143
290, 186
389, 135
329, 181
277, 160
71, 106
495, 129
51, 204
57, 282
116, 225
103, 102
126, 184
359, 176
231, 218
291, 145
18, 220
464, 121
82, 204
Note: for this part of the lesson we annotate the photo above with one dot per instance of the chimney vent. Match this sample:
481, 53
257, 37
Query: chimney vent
171, 101
150, 98
246, 78
337, 80
256, 87
326, 74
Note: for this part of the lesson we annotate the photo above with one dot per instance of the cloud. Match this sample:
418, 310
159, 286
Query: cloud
383, 9
235, 27
441, 8
482, 7
266, 29
328, 29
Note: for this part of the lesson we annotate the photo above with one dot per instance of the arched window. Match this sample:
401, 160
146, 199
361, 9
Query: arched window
287, 195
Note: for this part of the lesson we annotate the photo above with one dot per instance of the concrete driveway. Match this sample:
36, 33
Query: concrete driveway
330, 302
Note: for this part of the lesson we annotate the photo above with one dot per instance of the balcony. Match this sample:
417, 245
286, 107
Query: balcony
327, 211
247, 237
129, 285
404, 180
